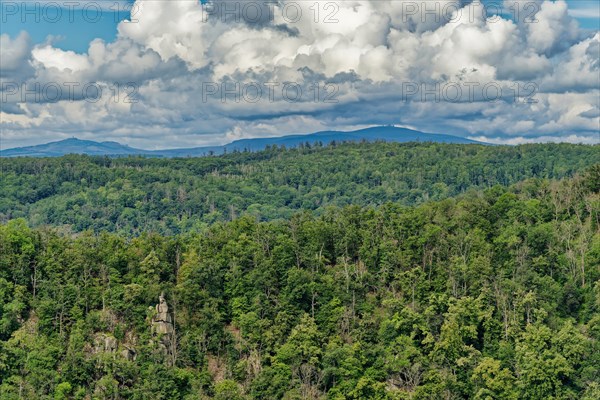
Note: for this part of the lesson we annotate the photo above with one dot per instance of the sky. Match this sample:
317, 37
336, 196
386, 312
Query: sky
162, 74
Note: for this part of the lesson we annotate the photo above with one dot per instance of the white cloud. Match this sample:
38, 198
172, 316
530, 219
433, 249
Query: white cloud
174, 49
576, 139
15, 55
554, 29
51, 57
14, 52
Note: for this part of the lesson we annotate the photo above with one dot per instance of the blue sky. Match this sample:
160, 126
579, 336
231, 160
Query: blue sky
69, 33
181, 75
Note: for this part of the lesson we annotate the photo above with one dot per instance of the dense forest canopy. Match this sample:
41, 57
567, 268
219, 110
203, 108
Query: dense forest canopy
493, 294
135, 195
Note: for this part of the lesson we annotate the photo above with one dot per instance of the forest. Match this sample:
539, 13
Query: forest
171, 196
349, 271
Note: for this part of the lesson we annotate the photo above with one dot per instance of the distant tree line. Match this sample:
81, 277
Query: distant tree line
171, 196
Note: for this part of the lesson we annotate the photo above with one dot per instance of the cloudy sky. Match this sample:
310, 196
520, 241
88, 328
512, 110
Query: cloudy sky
163, 74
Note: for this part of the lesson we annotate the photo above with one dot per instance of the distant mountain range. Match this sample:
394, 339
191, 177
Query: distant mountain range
89, 147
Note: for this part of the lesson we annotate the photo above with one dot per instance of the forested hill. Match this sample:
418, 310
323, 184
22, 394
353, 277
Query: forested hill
494, 295
133, 195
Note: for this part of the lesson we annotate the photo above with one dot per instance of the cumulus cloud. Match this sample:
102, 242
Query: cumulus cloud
576, 139
205, 73
15, 55
50, 57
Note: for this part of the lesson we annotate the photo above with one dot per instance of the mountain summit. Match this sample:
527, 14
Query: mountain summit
73, 146
89, 147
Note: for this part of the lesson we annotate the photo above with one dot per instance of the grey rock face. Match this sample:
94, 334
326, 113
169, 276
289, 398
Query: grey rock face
162, 323
129, 354
162, 328
104, 343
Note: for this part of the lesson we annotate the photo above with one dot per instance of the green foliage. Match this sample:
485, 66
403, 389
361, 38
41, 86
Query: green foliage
494, 294
136, 195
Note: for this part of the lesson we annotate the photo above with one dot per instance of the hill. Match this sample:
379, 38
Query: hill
382, 133
73, 146
132, 195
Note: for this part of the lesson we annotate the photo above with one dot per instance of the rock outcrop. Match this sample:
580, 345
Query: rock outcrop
162, 328
162, 324
104, 343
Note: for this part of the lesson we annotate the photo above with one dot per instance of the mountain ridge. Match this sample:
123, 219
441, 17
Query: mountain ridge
112, 148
